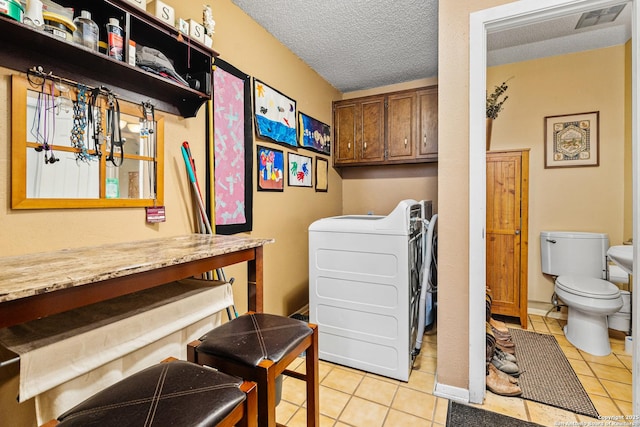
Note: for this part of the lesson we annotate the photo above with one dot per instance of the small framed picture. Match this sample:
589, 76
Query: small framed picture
322, 174
275, 114
314, 135
299, 170
270, 169
572, 140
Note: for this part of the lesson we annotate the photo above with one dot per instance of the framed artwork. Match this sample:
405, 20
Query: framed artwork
572, 140
299, 170
270, 169
230, 155
313, 134
322, 174
275, 114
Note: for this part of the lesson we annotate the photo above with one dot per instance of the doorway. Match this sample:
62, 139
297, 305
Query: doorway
482, 23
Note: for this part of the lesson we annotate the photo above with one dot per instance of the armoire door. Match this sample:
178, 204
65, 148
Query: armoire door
507, 232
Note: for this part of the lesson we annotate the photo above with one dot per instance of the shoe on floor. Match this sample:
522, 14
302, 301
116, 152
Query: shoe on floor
505, 356
510, 350
505, 366
500, 326
503, 375
503, 387
501, 335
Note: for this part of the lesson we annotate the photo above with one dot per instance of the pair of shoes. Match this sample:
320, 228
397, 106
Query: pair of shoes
509, 350
505, 366
502, 335
502, 375
500, 326
505, 356
499, 385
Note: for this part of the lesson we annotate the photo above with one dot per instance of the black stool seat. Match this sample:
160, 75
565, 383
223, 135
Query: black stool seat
167, 394
255, 337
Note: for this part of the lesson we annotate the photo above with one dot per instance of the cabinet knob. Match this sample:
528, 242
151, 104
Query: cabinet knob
365, 145
405, 142
517, 233
349, 146
425, 139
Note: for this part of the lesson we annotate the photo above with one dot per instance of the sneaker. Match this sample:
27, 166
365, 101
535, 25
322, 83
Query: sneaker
505, 356
505, 366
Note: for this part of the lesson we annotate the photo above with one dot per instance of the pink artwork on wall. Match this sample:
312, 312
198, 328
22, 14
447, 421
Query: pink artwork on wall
229, 117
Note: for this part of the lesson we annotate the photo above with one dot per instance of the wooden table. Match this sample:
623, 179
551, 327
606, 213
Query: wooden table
41, 284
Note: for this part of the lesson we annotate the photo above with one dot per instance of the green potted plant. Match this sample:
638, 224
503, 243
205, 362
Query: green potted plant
495, 102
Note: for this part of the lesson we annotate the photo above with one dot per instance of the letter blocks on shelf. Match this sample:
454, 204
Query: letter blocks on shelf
162, 11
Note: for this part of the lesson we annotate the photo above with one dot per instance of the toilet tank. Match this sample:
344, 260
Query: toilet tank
572, 252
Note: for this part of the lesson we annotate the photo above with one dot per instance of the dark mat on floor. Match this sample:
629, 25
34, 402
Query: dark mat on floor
547, 375
463, 415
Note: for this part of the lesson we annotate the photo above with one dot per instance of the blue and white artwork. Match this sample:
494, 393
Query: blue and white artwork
314, 135
275, 114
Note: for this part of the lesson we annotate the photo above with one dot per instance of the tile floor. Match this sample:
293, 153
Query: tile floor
349, 397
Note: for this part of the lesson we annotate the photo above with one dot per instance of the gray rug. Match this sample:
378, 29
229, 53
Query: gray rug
460, 415
547, 375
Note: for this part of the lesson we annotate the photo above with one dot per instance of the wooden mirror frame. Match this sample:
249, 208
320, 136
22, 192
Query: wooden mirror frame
19, 199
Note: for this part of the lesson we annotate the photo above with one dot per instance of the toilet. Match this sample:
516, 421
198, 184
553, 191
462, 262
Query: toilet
578, 260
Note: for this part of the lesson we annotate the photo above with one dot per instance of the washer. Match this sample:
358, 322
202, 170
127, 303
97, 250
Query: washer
364, 285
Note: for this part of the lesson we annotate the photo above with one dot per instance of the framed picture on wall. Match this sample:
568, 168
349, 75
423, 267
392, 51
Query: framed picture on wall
299, 170
322, 174
572, 140
313, 134
275, 114
270, 169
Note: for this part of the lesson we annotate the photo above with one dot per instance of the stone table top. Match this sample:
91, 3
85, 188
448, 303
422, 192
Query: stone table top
33, 274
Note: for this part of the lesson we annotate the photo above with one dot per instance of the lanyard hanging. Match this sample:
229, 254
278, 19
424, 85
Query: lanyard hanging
113, 121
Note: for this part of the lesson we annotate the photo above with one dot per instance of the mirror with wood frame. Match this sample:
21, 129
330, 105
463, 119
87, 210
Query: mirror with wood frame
62, 155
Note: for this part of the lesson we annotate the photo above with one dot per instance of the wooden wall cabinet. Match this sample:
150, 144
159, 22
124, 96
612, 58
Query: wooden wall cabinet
392, 128
508, 232
23, 48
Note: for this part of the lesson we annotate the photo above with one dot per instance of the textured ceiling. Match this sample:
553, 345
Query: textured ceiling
361, 44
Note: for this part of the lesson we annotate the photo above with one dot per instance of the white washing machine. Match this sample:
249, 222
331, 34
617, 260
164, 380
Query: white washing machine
364, 283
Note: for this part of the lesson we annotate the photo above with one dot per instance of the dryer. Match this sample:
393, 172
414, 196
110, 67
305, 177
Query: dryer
364, 285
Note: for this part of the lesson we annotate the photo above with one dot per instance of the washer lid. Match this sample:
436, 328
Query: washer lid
588, 287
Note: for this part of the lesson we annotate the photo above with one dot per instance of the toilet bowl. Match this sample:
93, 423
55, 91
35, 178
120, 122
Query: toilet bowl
577, 260
590, 301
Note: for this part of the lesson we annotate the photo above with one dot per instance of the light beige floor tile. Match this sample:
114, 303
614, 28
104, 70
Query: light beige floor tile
421, 381
540, 327
571, 352
564, 342
511, 406
621, 375
414, 402
626, 360
548, 415
284, 412
610, 360
626, 408
294, 391
580, 367
300, 420
429, 350
385, 379
342, 380
296, 364
592, 386
363, 413
535, 318
332, 402
426, 364
605, 406
618, 391
377, 391
400, 419
339, 424
440, 413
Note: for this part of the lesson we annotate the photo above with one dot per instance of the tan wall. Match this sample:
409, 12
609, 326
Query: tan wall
379, 189
453, 188
574, 199
628, 166
284, 216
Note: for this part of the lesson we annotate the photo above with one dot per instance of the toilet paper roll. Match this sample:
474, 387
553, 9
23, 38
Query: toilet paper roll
617, 275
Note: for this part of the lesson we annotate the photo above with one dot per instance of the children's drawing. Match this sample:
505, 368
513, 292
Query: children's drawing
299, 170
270, 169
275, 114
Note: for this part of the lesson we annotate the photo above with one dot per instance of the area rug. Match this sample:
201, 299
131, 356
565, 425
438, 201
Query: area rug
547, 374
460, 415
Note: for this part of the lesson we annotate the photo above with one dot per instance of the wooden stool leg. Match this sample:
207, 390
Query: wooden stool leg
312, 380
250, 418
266, 379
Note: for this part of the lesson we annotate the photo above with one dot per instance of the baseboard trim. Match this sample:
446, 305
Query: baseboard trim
457, 394
543, 312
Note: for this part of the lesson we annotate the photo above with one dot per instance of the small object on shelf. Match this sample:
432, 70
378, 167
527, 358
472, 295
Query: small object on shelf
33, 15
86, 33
183, 26
162, 11
140, 3
12, 9
114, 39
196, 31
132, 53
103, 47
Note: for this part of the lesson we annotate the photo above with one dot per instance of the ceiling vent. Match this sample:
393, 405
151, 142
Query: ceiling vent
600, 16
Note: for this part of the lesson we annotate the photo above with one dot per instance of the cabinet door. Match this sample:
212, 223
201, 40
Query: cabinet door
345, 130
428, 123
372, 122
401, 126
504, 233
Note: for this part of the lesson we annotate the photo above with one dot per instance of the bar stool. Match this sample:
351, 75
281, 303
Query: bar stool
178, 393
259, 347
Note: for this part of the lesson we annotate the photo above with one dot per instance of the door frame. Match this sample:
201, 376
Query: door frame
481, 23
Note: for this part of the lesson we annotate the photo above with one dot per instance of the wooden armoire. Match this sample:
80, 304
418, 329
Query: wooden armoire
507, 232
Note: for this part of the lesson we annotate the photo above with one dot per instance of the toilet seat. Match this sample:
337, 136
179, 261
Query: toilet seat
590, 287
